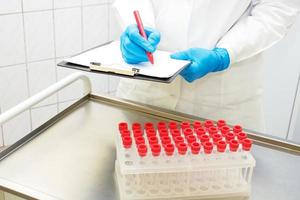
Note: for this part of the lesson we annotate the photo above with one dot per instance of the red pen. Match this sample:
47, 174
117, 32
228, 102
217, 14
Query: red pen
142, 32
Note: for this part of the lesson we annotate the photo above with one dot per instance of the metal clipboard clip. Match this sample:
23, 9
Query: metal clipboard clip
96, 66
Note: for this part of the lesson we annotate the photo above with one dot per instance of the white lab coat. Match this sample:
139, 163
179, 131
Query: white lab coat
244, 27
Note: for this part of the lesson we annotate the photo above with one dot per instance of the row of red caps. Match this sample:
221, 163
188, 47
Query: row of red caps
184, 136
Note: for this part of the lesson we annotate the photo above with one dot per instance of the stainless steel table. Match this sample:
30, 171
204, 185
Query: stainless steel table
72, 155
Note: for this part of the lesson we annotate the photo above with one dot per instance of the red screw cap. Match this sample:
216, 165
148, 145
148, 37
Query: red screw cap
187, 131
163, 132
224, 130
139, 140
195, 147
200, 131
182, 148
123, 125
142, 150
172, 125
127, 142
149, 125
221, 123
169, 149
221, 146
178, 139
229, 136
185, 125
197, 124
208, 147
247, 144
237, 129
241, 136
208, 123
161, 125
137, 126
153, 140
175, 133
150, 132
212, 130
137, 132
125, 133
155, 149
216, 137
233, 145
165, 140
204, 138
191, 139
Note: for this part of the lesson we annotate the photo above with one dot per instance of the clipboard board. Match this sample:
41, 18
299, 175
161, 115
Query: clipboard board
130, 72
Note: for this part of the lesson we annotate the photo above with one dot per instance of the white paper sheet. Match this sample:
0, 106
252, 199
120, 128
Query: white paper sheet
110, 55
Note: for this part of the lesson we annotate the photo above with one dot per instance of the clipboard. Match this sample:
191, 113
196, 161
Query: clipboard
129, 72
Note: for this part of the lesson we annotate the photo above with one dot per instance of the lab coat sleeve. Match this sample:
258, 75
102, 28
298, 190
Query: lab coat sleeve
267, 22
123, 10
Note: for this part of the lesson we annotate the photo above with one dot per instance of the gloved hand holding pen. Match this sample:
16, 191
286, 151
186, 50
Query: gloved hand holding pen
134, 46
203, 61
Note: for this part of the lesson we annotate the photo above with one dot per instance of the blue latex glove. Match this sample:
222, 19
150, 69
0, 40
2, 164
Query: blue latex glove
203, 61
133, 45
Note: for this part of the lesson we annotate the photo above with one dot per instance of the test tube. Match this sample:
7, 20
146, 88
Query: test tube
208, 123
221, 123
142, 151
195, 150
123, 126
200, 131
136, 126
185, 124
224, 130
197, 124
237, 129
173, 125
187, 132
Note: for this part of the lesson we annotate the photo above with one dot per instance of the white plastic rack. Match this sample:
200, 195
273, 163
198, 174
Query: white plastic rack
169, 161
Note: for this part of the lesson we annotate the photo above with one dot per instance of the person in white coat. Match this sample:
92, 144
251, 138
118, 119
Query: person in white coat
242, 28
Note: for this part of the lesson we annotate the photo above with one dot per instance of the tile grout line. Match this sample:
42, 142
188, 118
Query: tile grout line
68, 7
26, 60
52, 104
81, 18
108, 38
55, 54
2, 130
294, 105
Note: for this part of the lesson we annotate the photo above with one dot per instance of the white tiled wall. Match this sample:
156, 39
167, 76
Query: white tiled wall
34, 36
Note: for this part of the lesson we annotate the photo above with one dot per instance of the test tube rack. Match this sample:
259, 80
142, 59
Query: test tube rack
183, 161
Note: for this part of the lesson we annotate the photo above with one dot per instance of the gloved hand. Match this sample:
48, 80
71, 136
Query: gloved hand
133, 45
203, 61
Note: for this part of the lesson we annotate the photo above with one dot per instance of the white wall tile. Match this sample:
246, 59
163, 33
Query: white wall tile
113, 83
73, 91
42, 114
11, 39
115, 29
95, 26
10, 6
39, 35
63, 105
31, 5
1, 137
66, 3
41, 75
13, 86
68, 31
16, 128
99, 83
93, 2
